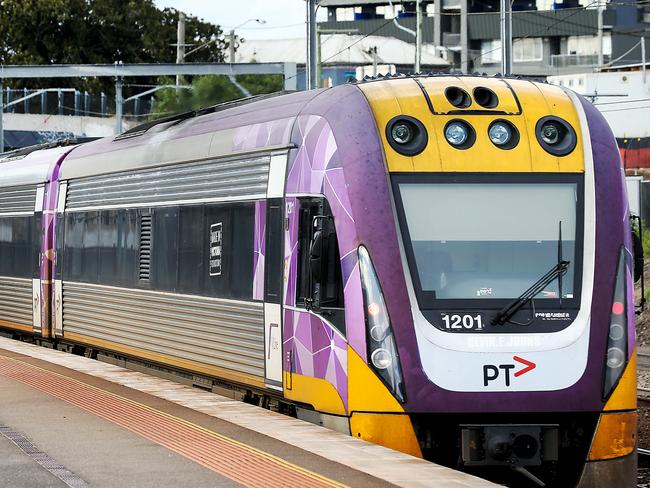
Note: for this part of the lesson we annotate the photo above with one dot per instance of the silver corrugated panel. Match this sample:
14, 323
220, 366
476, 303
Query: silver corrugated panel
182, 182
16, 300
15, 199
215, 332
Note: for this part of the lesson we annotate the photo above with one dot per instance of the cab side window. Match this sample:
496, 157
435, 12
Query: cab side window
319, 287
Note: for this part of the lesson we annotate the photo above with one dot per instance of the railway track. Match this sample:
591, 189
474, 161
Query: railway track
643, 398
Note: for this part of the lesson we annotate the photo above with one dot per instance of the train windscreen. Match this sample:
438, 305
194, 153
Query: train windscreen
490, 240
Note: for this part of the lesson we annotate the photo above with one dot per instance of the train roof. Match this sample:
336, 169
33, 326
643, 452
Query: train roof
266, 123
213, 132
20, 168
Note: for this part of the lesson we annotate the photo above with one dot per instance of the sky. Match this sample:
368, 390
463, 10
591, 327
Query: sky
285, 19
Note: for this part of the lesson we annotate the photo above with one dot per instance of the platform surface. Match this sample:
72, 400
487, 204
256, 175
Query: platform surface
67, 420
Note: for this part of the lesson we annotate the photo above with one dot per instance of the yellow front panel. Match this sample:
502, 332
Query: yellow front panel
390, 98
624, 395
316, 392
389, 430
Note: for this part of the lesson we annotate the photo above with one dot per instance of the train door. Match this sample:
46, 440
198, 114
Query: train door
37, 291
57, 299
273, 271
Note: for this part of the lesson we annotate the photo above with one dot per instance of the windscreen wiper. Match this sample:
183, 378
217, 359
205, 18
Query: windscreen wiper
505, 314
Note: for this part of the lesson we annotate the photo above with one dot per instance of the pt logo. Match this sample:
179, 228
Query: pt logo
492, 372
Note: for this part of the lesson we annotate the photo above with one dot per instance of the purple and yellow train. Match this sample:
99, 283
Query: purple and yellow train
442, 265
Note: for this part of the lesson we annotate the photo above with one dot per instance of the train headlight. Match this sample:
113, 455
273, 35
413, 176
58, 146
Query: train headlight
556, 136
550, 133
616, 357
381, 358
401, 133
503, 134
459, 134
407, 135
382, 350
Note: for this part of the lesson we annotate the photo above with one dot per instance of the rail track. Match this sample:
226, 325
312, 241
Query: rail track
643, 399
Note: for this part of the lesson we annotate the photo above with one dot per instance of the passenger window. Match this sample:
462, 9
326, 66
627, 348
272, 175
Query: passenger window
319, 286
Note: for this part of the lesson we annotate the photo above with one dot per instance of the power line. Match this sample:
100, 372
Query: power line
623, 101
626, 108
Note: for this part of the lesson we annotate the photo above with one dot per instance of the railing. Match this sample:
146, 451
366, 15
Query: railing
69, 101
569, 60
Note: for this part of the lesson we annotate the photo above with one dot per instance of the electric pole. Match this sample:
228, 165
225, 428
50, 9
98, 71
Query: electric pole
312, 54
180, 44
505, 16
232, 46
418, 35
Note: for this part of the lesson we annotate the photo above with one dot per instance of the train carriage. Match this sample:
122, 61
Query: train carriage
441, 265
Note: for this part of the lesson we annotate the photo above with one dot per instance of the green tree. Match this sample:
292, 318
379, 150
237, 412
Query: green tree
210, 90
97, 31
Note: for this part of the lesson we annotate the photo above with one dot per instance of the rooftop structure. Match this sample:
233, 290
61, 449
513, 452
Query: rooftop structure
550, 37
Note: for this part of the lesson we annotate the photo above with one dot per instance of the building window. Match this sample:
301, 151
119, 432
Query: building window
585, 45
523, 50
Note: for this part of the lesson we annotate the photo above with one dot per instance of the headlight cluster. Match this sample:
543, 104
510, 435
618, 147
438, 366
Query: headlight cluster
409, 137
616, 357
382, 349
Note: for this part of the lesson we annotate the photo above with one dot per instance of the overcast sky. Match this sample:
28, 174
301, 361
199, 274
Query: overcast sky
284, 18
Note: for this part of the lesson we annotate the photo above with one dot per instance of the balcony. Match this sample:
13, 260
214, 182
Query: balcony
574, 60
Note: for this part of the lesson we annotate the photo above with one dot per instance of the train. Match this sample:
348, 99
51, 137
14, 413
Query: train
442, 265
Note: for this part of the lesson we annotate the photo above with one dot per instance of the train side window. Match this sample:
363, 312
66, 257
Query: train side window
319, 287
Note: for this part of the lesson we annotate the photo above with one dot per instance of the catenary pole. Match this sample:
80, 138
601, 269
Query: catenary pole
312, 70
506, 37
418, 35
180, 44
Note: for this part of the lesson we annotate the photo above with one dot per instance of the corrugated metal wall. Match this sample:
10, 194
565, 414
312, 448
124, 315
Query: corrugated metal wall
190, 181
16, 199
221, 333
16, 300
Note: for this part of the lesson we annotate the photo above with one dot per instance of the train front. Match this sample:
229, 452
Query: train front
498, 280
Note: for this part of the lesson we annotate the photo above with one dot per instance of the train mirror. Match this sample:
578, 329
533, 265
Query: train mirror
316, 256
637, 248
638, 256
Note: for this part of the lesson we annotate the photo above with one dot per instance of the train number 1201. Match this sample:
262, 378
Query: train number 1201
462, 321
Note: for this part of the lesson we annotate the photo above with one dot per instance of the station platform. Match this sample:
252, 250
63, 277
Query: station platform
67, 420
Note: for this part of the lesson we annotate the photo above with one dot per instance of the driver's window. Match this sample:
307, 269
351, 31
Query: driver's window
320, 286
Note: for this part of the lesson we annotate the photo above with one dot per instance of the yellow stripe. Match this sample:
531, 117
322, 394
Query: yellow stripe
12, 325
187, 423
179, 363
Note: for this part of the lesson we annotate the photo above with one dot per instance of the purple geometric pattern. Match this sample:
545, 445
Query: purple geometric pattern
316, 347
291, 252
318, 351
258, 250
264, 134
